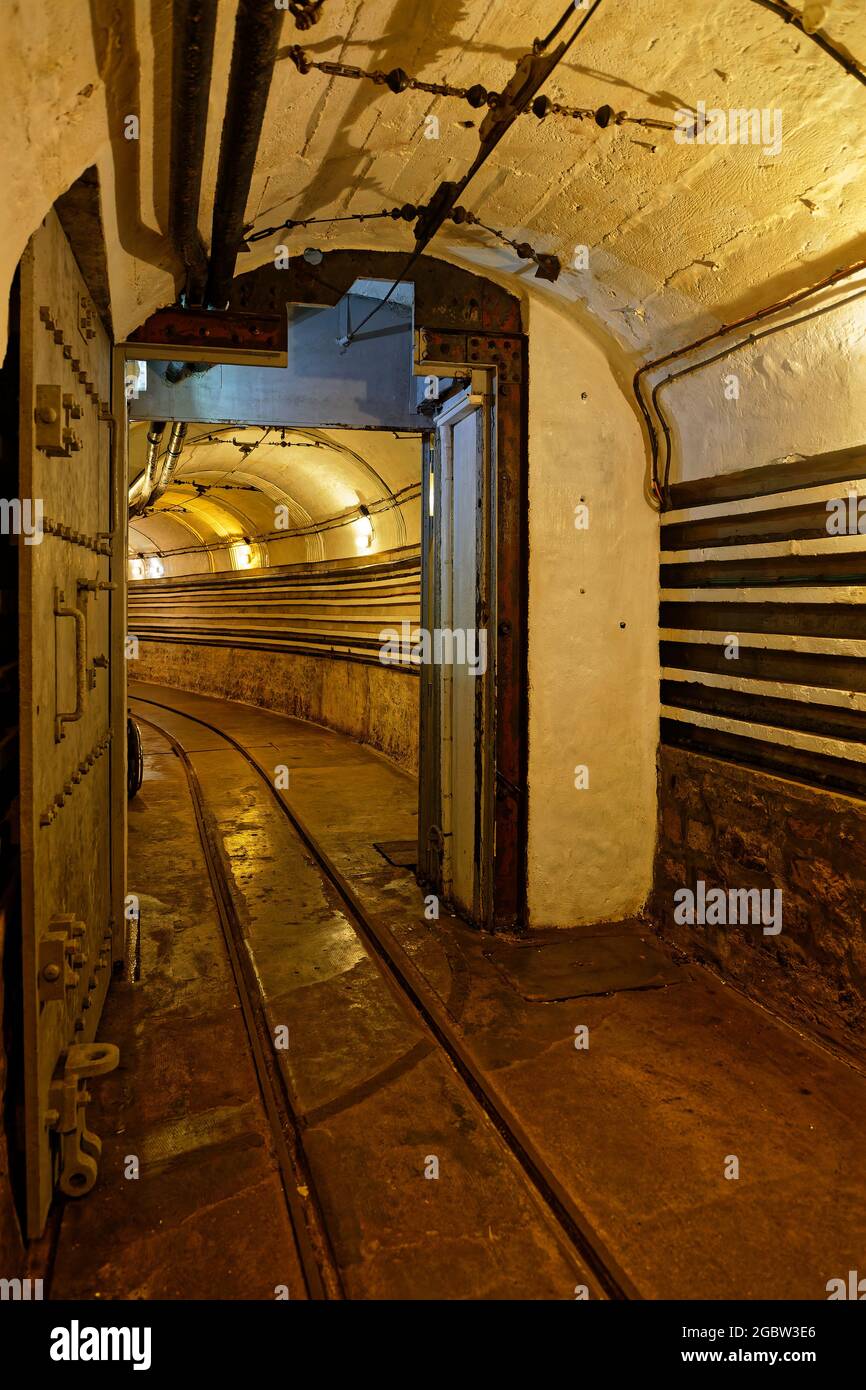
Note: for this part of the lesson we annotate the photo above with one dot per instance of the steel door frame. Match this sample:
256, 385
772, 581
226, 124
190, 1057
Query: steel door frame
434, 842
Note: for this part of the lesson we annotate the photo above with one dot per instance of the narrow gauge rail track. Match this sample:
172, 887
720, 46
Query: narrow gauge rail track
319, 1267
422, 1002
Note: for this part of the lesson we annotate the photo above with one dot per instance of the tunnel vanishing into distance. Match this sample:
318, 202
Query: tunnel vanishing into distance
434, 655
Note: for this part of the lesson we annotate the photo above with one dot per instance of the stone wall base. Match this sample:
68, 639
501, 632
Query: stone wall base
734, 827
371, 703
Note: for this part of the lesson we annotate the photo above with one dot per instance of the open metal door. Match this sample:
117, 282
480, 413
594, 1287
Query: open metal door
72, 720
455, 811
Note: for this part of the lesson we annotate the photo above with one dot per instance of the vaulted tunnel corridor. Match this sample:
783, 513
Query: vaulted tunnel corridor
433, 633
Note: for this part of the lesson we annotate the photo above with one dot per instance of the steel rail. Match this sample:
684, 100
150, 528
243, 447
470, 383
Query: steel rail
414, 988
318, 1264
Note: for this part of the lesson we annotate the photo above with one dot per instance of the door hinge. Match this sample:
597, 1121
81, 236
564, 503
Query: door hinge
60, 958
80, 1148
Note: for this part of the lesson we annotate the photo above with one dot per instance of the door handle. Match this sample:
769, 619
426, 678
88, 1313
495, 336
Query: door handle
80, 620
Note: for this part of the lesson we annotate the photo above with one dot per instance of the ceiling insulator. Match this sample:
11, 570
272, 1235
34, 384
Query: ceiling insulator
306, 13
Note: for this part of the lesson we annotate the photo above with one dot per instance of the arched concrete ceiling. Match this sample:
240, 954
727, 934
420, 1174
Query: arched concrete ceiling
675, 232
680, 236
245, 496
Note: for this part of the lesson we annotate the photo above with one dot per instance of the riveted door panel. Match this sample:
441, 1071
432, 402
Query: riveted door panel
67, 742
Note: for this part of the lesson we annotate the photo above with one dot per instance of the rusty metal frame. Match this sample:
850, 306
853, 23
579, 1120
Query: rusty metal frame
210, 336
450, 353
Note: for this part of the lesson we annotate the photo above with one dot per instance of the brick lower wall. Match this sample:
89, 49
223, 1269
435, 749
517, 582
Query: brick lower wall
371, 703
735, 827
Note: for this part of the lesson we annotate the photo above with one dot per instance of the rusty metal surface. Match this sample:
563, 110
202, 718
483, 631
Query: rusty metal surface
508, 354
254, 52
467, 350
445, 296
512, 753
197, 328
193, 30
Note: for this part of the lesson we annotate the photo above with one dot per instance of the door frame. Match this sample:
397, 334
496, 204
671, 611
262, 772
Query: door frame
234, 340
463, 323
504, 809
435, 792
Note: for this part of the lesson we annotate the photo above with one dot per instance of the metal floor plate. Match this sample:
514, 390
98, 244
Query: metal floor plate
582, 964
401, 853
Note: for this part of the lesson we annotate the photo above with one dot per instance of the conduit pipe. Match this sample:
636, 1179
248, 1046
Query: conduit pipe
193, 26
254, 53
817, 35
728, 352
171, 460
140, 490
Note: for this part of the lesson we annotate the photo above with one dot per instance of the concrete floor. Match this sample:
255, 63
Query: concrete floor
639, 1127
206, 1218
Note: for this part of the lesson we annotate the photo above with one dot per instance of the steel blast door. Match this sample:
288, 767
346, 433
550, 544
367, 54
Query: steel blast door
456, 806
72, 727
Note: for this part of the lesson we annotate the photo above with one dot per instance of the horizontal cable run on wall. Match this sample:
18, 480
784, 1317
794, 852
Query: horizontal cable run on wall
763, 619
286, 533
328, 609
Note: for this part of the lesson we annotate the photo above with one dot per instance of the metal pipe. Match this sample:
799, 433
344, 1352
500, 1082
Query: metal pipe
193, 26
140, 490
254, 53
171, 460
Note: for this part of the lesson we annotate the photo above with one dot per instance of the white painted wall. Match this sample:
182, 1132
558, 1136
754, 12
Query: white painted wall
593, 683
801, 392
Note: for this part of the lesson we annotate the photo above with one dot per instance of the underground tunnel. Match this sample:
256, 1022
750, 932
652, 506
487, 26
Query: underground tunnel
434, 659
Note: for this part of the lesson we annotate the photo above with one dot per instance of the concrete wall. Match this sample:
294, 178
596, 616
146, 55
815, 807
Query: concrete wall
364, 700
800, 392
593, 653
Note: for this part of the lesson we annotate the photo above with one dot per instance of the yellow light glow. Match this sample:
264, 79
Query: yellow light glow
364, 533
136, 569
242, 556
155, 567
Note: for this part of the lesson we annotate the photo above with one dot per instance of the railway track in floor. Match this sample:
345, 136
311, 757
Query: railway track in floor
320, 1267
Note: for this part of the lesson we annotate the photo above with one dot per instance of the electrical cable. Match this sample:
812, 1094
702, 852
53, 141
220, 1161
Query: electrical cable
787, 13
